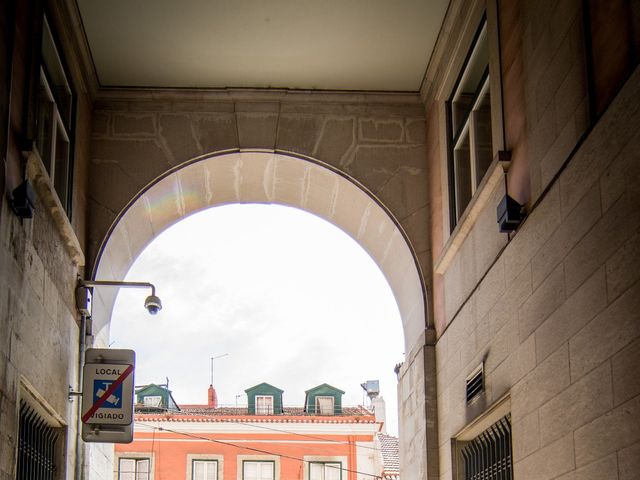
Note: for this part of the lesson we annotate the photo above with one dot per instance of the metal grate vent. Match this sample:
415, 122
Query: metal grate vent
475, 383
36, 446
488, 456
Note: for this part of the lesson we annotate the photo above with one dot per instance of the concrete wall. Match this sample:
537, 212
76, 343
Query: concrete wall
552, 309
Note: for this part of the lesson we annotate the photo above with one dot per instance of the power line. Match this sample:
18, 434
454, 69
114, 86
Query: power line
251, 424
257, 450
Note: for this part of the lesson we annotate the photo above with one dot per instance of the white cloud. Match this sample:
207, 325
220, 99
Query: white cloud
293, 300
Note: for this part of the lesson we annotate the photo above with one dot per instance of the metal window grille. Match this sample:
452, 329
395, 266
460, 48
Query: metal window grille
36, 446
488, 456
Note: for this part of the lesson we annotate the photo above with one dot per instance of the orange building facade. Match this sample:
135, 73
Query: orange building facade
208, 442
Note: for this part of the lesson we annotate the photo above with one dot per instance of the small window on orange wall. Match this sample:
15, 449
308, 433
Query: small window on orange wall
263, 470
133, 469
325, 471
205, 470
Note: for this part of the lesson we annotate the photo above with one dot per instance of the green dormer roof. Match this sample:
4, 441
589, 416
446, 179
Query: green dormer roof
155, 397
263, 387
317, 400
325, 387
264, 390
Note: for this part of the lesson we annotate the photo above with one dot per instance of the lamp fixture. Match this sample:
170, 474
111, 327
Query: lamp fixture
510, 214
23, 200
83, 299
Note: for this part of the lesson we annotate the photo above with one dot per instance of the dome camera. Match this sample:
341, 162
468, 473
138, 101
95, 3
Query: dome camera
153, 304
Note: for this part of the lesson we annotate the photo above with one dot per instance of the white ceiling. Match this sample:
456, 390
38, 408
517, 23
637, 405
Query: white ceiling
378, 45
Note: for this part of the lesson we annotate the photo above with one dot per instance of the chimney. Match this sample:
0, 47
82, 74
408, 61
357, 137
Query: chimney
380, 411
212, 400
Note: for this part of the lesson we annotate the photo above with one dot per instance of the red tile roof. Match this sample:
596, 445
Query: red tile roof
389, 447
202, 413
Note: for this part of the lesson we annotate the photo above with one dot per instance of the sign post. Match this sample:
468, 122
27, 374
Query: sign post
107, 395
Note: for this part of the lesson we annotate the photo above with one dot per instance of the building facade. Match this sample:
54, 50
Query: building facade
522, 334
261, 441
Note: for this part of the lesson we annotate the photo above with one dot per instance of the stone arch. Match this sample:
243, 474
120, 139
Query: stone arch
264, 177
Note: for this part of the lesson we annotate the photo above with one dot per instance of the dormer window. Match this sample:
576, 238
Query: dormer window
152, 401
264, 399
323, 400
324, 405
264, 405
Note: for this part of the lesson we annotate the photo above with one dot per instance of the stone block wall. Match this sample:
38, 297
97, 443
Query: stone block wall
39, 340
551, 310
40, 259
377, 139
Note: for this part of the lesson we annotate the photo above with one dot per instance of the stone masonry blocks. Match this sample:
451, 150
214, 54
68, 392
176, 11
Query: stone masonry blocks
624, 368
543, 302
629, 462
609, 433
545, 382
585, 303
135, 141
582, 402
606, 334
548, 462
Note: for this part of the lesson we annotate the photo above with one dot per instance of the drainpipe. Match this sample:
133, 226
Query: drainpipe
81, 357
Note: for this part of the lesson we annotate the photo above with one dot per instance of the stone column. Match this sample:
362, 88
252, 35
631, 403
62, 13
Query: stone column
418, 412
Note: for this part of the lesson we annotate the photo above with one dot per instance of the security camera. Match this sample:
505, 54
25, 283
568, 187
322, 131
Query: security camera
153, 304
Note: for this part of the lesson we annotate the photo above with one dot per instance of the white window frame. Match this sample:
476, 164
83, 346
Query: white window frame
266, 409
57, 128
136, 473
319, 408
261, 463
456, 231
157, 401
330, 467
341, 459
468, 128
209, 465
205, 457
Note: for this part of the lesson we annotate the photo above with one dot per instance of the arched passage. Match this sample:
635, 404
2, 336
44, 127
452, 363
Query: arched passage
264, 177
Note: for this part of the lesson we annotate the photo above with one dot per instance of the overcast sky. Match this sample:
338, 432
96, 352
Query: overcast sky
293, 301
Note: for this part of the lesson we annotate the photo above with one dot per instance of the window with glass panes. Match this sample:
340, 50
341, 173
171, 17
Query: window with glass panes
204, 470
325, 471
54, 117
264, 405
152, 401
469, 127
264, 470
324, 405
134, 469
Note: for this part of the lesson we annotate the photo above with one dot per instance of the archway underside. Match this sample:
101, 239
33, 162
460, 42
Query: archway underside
264, 177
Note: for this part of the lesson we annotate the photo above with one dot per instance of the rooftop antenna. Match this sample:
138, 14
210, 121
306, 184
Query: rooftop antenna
215, 358
372, 388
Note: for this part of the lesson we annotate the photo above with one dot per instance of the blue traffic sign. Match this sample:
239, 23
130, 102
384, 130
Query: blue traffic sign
100, 387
